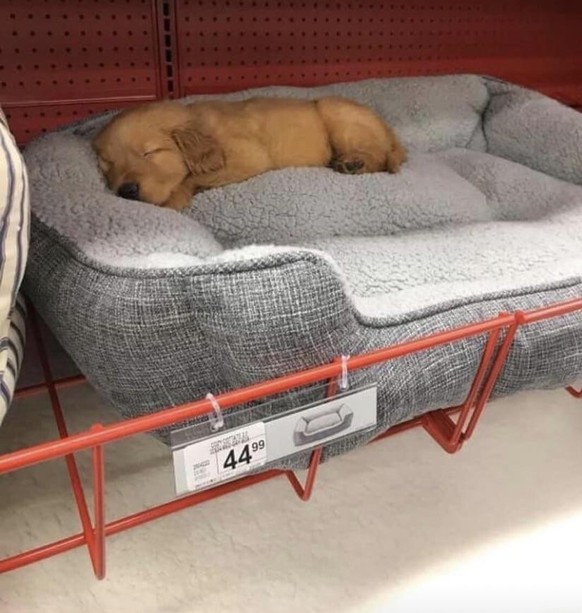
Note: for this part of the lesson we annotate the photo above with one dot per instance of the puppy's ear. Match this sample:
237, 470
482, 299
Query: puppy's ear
202, 154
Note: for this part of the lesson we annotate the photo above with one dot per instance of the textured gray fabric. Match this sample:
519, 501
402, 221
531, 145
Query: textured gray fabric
279, 208
158, 308
551, 143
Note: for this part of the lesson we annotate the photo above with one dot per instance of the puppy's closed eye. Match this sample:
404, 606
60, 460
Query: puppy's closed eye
152, 152
201, 153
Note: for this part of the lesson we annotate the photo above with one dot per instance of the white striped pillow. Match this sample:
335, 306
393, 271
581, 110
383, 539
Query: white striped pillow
14, 236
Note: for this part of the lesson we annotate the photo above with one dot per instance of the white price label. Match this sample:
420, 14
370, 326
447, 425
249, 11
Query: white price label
220, 458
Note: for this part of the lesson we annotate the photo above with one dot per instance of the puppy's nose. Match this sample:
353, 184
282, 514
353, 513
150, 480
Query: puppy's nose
130, 191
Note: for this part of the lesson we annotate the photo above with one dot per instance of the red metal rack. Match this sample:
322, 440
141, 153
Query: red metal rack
448, 433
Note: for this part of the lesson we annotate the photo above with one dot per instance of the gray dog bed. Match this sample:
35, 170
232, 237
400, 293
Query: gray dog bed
292, 268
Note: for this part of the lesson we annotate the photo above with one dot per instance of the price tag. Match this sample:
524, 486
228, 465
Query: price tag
220, 458
230, 454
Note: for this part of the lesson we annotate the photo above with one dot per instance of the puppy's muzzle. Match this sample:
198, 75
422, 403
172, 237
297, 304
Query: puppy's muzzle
129, 191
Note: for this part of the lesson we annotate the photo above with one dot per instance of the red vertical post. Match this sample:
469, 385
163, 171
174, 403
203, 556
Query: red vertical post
304, 491
494, 374
450, 435
99, 508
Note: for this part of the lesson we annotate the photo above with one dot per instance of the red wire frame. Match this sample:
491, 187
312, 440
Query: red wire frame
448, 433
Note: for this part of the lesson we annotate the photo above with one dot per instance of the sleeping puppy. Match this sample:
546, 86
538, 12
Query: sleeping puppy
166, 152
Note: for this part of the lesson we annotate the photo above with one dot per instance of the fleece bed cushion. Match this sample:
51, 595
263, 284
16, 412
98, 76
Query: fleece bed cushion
292, 268
14, 225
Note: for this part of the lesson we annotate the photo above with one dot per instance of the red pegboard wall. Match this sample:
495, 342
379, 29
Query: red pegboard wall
226, 45
63, 59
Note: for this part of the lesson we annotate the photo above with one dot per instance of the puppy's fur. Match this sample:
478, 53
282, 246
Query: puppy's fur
165, 152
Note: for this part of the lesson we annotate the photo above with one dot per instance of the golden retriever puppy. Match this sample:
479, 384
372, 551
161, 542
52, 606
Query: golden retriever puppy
165, 152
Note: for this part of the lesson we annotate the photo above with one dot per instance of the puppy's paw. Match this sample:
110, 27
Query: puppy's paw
347, 165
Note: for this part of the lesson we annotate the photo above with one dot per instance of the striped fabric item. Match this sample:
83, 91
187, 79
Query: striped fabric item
14, 237
13, 347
